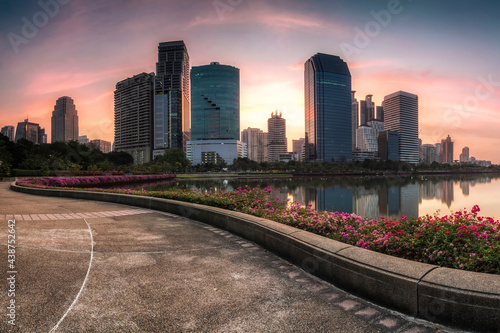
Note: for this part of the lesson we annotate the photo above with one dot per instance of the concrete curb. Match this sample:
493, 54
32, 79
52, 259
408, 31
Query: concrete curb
455, 298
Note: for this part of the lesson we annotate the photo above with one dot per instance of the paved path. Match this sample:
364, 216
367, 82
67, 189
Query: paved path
85, 266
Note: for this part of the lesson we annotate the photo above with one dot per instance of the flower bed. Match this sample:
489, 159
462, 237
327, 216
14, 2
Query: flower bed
462, 240
79, 182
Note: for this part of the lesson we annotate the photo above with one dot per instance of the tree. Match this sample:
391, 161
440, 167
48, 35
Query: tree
176, 158
119, 158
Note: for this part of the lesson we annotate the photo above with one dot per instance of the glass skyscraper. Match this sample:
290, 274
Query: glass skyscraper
172, 110
328, 117
215, 102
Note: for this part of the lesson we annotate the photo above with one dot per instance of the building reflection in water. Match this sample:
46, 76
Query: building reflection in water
382, 199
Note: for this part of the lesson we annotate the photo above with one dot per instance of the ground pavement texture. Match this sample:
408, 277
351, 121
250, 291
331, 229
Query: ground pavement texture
86, 266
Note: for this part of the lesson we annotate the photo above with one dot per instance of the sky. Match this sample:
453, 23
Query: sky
446, 52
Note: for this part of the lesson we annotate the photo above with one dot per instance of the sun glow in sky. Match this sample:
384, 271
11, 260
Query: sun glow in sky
445, 52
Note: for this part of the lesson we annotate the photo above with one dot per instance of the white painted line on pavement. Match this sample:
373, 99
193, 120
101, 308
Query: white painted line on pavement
84, 281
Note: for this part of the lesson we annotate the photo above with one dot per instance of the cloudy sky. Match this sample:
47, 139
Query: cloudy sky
444, 51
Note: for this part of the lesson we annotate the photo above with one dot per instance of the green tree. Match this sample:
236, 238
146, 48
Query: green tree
119, 158
176, 158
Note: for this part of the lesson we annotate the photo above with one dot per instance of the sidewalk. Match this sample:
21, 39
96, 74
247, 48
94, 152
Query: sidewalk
100, 267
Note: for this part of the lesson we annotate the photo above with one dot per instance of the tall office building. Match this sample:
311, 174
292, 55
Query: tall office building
256, 141
134, 116
298, 148
401, 115
366, 110
215, 131
446, 152
276, 127
428, 153
215, 102
103, 145
171, 101
366, 139
328, 108
380, 113
464, 157
8, 131
355, 117
64, 120
31, 132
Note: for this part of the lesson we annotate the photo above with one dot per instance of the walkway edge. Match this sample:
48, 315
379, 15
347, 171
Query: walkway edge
455, 298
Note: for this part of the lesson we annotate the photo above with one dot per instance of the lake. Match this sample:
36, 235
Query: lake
372, 197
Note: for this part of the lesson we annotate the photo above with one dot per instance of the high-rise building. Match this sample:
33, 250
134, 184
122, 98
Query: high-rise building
446, 153
31, 132
366, 139
64, 120
388, 145
256, 141
103, 145
401, 115
328, 109
215, 130
134, 116
276, 127
171, 99
8, 131
428, 153
380, 113
464, 157
366, 110
355, 117
298, 148
215, 102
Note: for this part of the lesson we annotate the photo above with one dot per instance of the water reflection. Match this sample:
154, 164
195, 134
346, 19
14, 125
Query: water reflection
372, 197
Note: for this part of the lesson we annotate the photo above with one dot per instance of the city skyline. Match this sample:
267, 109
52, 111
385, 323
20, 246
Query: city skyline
84, 48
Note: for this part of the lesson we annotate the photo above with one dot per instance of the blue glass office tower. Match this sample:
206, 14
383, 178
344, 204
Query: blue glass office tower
327, 83
215, 102
172, 110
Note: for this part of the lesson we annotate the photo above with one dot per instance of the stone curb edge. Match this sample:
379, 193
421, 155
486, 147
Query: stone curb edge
455, 298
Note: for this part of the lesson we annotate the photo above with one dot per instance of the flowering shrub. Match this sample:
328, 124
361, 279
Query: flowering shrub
77, 182
462, 240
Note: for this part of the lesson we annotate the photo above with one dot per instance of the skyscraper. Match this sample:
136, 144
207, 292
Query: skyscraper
380, 113
8, 131
31, 132
256, 141
171, 101
134, 116
276, 127
366, 110
215, 94
328, 108
298, 148
464, 157
64, 120
401, 115
215, 102
446, 153
355, 117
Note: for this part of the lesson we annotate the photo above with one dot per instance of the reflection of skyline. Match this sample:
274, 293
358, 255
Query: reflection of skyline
366, 197
392, 202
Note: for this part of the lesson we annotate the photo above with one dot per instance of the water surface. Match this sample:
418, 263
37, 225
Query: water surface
372, 197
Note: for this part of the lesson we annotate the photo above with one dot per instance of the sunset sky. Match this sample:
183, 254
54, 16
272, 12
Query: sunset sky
446, 52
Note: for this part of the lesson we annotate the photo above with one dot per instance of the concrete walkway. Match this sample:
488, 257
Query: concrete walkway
85, 266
